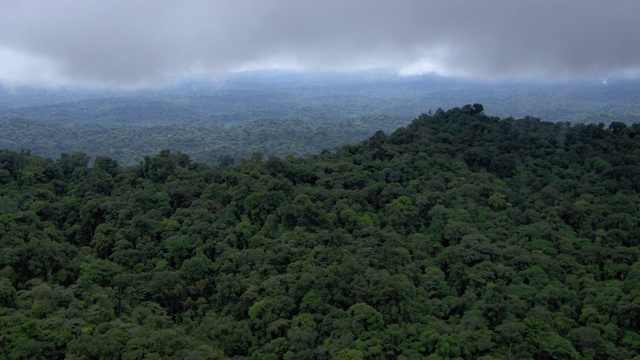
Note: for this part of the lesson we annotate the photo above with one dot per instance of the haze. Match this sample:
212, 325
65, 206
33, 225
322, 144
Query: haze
149, 43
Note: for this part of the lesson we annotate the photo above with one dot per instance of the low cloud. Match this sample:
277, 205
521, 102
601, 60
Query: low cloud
143, 43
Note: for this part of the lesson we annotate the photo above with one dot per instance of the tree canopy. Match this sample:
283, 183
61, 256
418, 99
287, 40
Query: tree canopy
461, 235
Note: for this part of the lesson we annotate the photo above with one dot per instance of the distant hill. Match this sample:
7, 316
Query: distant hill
246, 97
277, 113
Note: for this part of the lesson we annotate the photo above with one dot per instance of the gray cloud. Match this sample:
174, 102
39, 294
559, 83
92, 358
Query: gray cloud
117, 42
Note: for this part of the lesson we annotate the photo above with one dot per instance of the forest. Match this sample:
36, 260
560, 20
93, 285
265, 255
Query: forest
278, 113
203, 143
457, 236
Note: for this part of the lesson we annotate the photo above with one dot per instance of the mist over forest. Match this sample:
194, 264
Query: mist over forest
278, 112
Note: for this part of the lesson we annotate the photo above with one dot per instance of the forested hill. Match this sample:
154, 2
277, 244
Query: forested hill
459, 236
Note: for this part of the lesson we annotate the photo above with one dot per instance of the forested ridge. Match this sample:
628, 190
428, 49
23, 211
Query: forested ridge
460, 235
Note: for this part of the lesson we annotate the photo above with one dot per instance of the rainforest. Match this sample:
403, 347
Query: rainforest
457, 236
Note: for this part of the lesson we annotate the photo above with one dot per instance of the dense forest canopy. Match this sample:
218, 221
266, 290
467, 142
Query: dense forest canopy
203, 143
461, 235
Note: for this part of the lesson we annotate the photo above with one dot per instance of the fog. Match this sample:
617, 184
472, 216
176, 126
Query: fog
147, 43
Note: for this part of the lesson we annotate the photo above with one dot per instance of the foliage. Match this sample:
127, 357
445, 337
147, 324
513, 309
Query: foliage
458, 236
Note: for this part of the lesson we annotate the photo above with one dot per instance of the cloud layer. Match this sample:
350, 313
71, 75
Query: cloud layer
128, 43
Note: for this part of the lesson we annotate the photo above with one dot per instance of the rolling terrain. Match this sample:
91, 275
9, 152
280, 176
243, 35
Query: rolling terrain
277, 113
457, 236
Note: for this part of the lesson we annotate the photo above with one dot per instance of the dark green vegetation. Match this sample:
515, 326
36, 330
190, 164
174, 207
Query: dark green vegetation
276, 113
458, 236
203, 143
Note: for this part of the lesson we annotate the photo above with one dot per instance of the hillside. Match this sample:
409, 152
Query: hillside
460, 235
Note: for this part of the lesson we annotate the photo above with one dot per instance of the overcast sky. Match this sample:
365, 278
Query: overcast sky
143, 43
